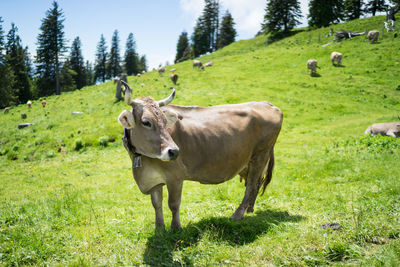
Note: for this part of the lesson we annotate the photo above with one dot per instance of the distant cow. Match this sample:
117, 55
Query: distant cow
173, 70
161, 70
312, 65
44, 103
138, 75
208, 64
6, 110
23, 116
336, 57
373, 36
385, 129
174, 78
29, 104
118, 92
143, 72
198, 64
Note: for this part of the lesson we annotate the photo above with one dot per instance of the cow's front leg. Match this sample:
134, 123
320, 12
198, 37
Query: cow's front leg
174, 201
156, 200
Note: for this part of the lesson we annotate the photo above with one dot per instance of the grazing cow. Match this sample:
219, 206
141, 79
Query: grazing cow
373, 36
169, 144
312, 65
6, 110
117, 80
29, 104
173, 70
385, 129
23, 116
139, 75
208, 64
198, 64
174, 78
336, 57
143, 71
161, 70
43, 103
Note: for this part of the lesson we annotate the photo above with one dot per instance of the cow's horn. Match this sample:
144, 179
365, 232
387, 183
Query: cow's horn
167, 100
128, 93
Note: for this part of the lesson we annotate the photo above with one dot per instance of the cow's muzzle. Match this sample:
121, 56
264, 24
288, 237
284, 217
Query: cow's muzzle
173, 153
169, 154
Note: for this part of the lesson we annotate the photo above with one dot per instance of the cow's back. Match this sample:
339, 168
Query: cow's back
217, 142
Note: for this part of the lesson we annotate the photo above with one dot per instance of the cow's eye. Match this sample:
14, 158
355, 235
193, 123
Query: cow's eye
146, 123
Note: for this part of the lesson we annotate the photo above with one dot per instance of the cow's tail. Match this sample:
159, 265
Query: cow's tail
268, 175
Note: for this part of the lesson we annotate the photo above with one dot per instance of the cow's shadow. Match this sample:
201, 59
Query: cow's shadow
160, 246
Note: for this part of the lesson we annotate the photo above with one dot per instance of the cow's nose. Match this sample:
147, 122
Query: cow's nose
173, 153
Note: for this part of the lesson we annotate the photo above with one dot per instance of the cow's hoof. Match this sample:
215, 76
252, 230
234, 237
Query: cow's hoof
176, 226
250, 209
237, 216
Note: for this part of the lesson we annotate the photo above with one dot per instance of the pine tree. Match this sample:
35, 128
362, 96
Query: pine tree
113, 64
67, 77
77, 64
187, 54
211, 22
227, 32
352, 9
6, 76
373, 6
205, 33
89, 73
16, 60
183, 43
281, 15
324, 12
51, 48
100, 67
143, 63
131, 57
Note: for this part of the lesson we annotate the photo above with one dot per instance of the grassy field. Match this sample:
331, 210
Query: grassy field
67, 195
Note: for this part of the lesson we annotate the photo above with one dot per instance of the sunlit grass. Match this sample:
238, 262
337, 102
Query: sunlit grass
67, 195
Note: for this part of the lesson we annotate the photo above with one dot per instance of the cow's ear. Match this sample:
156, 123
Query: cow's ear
126, 119
171, 116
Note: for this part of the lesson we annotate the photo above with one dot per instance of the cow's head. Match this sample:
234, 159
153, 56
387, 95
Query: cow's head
148, 124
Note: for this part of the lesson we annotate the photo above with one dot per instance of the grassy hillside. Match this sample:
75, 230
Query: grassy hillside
68, 196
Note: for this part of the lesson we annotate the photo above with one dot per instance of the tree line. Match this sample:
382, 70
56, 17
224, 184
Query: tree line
280, 17
57, 68
209, 33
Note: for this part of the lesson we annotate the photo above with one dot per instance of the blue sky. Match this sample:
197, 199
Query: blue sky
156, 24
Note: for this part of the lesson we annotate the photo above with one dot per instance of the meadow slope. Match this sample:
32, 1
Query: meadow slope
67, 196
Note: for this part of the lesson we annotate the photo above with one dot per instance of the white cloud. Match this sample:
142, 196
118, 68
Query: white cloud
247, 15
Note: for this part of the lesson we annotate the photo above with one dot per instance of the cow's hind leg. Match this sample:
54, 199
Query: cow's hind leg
254, 176
264, 181
156, 200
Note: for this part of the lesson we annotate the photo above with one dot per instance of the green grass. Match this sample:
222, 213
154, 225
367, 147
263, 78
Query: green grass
67, 195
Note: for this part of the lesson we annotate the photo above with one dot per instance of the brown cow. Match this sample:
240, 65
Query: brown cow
169, 144
161, 70
174, 78
44, 103
198, 64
